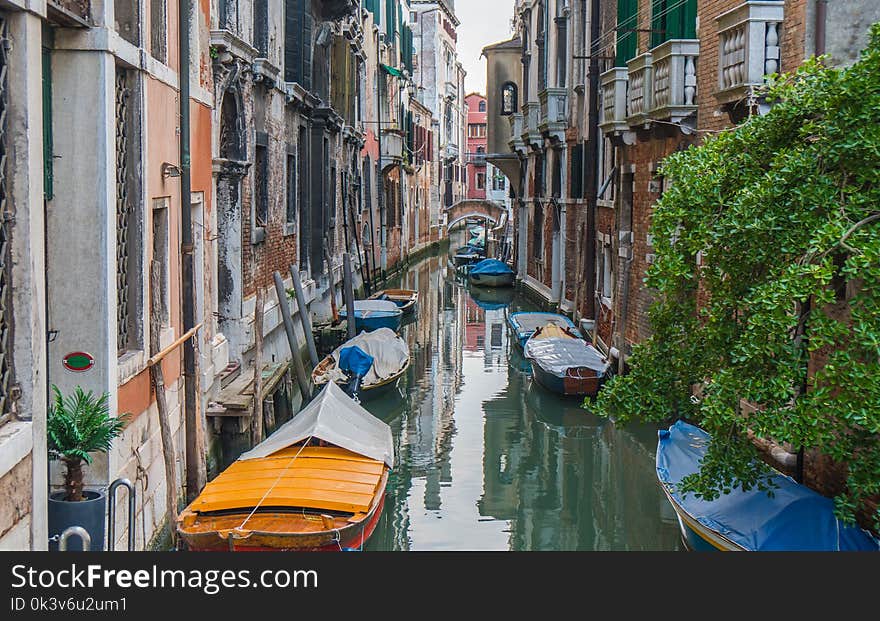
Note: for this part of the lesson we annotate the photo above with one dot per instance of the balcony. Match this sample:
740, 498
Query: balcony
450, 151
554, 113
638, 98
517, 127
450, 90
748, 47
392, 147
613, 116
531, 135
74, 13
674, 91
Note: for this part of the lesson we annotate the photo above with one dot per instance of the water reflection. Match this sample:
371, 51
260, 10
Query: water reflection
488, 460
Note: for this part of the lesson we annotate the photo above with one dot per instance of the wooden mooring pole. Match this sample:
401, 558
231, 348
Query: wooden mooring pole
304, 315
348, 291
158, 379
305, 385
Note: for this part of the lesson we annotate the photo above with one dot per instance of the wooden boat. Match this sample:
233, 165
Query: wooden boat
564, 363
316, 484
794, 519
524, 324
406, 299
467, 255
371, 315
389, 362
491, 273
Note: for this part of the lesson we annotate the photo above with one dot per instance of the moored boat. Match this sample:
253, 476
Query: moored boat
524, 324
467, 255
381, 360
371, 315
565, 364
491, 273
794, 519
405, 299
316, 484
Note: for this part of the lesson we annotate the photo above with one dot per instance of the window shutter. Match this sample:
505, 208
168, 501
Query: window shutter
307, 51
627, 22
293, 49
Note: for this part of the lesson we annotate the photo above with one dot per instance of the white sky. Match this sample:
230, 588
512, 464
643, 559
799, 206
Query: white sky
483, 22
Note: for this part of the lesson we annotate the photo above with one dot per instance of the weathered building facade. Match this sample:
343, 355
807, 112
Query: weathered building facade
604, 91
285, 172
439, 85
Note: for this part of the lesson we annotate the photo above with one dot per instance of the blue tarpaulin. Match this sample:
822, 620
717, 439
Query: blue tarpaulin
491, 267
355, 360
795, 519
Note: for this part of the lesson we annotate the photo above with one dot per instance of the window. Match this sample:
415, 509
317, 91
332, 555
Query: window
607, 272
129, 217
160, 255
290, 212
302, 173
577, 171
261, 183
509, 103
481, 151
539, 174
477, 130
261, 27
298, 27
482, 106
540, 44
557, 173
5, 263
673, 19
538, 233
498, 182
333, 191
159, 31
481, 181
627, 35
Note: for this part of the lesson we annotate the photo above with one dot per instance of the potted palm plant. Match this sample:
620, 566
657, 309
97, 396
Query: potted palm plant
79, 425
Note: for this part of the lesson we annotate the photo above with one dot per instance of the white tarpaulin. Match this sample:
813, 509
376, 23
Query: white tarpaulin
557, 355
335, 418
384, 306
390, 354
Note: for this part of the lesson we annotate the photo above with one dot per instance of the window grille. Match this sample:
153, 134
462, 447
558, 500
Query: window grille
123, 216
5, 206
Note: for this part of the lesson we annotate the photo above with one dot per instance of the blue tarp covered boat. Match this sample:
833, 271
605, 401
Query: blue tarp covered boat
491, 273
371, 315
795, 519
524, 324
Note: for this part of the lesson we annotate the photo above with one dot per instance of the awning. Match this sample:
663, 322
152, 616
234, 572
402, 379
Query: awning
397, 73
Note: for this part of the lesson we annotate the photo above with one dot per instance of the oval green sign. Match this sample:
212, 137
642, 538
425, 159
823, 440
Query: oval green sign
78, 361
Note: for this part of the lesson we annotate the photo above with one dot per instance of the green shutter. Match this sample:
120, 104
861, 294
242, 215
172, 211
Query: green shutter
627, 22
48, 142
672, 19
389, 21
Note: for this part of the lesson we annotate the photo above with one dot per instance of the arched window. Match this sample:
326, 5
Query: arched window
509, 96
482, 106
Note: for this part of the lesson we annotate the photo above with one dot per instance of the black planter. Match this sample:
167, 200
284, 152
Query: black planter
89, 513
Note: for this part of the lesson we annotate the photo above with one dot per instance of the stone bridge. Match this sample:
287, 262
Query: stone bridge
462, 210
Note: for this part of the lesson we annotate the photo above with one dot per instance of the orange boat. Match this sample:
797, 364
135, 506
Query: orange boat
318, 483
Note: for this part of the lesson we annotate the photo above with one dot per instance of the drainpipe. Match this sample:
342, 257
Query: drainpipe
193, 457
592, 172
380, 178
821, 20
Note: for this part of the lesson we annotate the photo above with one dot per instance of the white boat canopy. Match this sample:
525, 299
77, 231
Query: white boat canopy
390, 354
335, 418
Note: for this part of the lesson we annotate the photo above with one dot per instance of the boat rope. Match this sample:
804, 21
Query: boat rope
280, 475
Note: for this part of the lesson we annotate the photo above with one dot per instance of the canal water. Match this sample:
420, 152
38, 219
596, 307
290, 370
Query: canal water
489, 460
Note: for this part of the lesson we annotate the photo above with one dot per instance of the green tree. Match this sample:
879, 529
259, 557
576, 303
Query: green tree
784, 211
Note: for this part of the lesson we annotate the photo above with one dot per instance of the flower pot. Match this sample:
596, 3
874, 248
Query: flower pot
89, 513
